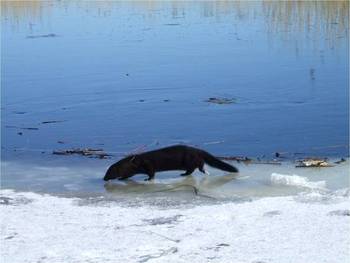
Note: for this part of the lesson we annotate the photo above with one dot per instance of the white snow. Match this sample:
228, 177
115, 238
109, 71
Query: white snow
44, 228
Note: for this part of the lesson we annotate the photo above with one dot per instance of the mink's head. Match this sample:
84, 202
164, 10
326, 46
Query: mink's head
123, 169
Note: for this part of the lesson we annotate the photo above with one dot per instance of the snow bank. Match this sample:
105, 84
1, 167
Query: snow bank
295, 180
44, 228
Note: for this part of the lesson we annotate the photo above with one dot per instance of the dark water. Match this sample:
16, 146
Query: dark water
125, 76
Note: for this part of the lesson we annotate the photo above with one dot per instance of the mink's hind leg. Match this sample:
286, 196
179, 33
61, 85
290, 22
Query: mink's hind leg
201, 168
203, 171
188, 171
190, 163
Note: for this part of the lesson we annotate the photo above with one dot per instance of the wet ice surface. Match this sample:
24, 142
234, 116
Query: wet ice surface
253, 180
278, 229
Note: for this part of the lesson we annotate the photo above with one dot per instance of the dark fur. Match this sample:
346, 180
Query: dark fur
177, 157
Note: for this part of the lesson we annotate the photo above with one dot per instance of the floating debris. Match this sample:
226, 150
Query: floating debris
22, 128
312, 73
235, 158
47, 122
281, 154
275, 162
310, 162
44, 36
248, 160
92, 153
221, 100
19, 112
20, 133
340, 161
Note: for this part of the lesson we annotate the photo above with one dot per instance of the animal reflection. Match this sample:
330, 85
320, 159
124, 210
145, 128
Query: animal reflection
198, 185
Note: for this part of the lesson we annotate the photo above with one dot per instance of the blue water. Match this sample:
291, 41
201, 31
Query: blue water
124, 75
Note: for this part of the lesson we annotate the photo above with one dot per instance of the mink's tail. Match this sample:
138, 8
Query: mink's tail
215, 162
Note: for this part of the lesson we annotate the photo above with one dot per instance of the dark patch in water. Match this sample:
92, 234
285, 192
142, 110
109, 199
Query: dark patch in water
221, 100
47, 122
43, 36
22, 128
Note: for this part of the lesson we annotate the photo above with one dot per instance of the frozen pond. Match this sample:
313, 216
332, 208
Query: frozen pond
263, 79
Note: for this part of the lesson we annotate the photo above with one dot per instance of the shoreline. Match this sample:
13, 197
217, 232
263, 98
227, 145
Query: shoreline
88, 152
275, 158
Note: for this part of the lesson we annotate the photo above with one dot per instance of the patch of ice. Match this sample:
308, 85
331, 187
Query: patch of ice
295, 180
72, 187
